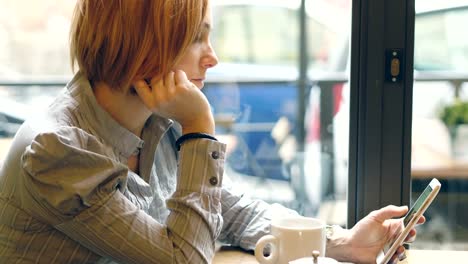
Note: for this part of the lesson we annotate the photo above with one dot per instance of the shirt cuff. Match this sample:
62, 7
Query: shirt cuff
201, 166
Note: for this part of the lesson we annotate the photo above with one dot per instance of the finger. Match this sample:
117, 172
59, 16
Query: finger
400, 250
421, 220
411, 236
393, 259
144, 91
142, 85
159, 91
402, 256
156, 83
180, 78
169, 82
399, 253
390, 211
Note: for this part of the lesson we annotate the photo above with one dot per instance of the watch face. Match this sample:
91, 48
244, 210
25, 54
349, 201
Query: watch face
329, 231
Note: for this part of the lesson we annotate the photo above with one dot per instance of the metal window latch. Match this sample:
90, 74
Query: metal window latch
394, 65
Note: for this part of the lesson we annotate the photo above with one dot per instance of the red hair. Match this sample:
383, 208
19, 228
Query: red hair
120, 41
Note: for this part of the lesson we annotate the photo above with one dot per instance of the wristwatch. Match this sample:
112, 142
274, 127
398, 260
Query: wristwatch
331, 230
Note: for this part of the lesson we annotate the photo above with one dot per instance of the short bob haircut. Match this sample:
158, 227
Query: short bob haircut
120, 41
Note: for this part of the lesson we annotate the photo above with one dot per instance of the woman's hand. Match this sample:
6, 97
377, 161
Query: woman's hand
372, 233
175, 97
367, 238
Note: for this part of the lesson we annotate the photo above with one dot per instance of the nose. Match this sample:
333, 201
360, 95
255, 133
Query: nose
209, 59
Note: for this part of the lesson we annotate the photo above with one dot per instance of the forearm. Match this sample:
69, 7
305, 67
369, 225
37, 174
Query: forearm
114, 227
118, 230
121, 232
199, 182
246, 220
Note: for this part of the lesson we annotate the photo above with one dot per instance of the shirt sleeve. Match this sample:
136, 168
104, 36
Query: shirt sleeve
246, 220
76, 186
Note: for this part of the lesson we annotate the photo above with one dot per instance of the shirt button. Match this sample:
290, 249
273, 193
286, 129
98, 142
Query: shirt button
215, 155
213, 181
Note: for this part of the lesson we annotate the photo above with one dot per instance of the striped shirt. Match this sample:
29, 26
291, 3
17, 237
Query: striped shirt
67, 195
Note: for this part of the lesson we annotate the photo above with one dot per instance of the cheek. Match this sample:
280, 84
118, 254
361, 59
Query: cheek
183, 65
189, 60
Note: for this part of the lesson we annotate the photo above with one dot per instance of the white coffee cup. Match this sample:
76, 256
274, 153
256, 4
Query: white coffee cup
292, 238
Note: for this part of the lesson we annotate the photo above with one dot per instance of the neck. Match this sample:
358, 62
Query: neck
126, 108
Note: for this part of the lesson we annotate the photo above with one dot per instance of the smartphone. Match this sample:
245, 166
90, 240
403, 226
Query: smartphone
410, 220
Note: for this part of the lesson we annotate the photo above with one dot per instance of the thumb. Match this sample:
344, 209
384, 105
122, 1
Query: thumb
390, 211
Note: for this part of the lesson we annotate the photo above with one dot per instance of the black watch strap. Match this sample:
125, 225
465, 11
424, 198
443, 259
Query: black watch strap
190, 136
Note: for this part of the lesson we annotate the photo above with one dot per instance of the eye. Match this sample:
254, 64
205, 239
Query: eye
202, 35
198, 38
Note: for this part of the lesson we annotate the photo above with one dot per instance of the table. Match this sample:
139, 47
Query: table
237, 256
450, 171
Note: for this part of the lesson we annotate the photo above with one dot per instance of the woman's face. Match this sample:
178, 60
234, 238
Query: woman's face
200, 55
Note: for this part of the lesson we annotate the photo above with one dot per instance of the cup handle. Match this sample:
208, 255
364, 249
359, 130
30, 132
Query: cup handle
260, 246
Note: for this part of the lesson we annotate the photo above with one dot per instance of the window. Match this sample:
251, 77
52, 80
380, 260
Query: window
439, 148
34, 37
268, 34
439, 44
33, 45
232, 39
256, 88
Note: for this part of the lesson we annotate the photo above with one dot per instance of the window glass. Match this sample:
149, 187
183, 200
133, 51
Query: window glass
447, 51
269, 34
439, 140
254, 95
275, 34
253, 91
231, 31
256, 34
34, 37
33, 45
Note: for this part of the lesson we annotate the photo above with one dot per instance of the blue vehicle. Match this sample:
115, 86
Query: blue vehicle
250, 110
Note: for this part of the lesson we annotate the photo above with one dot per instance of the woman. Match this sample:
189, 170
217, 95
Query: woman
124, 166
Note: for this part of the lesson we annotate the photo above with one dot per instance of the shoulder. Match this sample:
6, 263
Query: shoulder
69, 148
56, 120
45, 129
45, 139
42, 145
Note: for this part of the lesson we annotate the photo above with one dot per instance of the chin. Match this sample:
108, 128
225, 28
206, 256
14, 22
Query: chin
199, 84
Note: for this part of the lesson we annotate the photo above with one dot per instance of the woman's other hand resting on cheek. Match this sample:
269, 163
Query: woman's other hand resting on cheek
177, 98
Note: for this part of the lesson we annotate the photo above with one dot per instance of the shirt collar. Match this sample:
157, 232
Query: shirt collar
102, 122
